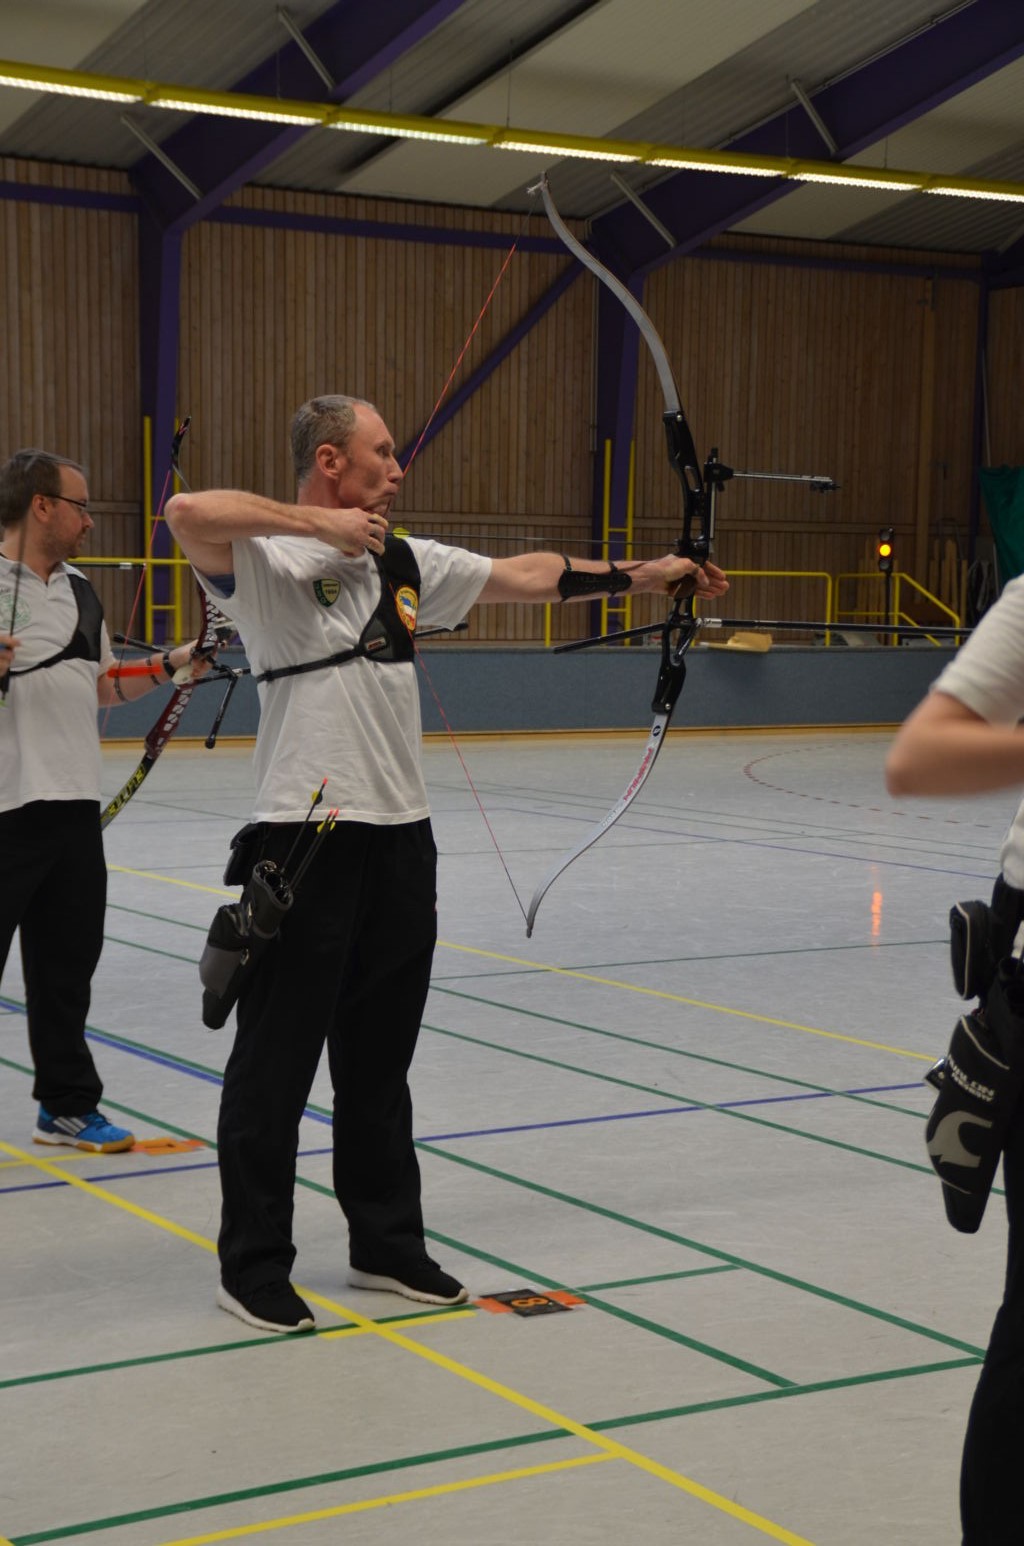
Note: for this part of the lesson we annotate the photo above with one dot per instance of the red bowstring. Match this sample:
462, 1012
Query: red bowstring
469, 778
419, 653
147, 559
462, 355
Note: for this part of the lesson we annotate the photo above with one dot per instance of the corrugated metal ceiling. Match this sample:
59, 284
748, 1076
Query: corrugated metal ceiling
695, 72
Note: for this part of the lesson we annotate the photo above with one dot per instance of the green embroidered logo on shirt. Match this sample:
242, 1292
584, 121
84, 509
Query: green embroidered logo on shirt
326, 591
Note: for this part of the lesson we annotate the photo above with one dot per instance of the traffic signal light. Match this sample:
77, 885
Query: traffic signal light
884, 549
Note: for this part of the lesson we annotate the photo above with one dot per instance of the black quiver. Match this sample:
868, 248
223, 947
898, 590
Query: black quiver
981, 1077
238, 935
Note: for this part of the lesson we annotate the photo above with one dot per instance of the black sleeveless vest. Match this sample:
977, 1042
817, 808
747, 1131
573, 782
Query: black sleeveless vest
387, 636
84, 643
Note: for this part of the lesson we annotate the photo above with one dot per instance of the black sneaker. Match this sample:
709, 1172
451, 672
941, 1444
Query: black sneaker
274, 1307
422, 1280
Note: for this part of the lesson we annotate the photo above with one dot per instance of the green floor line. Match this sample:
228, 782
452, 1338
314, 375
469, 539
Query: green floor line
465, 1451
181, 1354
474, 1253
813, 1388
139, 912
668, 1333
686, 1100
151, 950
655, 1277
682, 960
683, 1052
276, 1489
432, 1315
728, 1257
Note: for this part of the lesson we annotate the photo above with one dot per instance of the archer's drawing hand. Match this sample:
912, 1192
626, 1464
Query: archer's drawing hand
355, 532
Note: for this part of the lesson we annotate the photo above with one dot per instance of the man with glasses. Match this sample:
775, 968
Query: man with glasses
54, 661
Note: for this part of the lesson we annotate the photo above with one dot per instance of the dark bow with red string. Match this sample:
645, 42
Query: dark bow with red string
215, 631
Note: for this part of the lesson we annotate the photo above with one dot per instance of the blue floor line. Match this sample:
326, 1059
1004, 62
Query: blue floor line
666, 1111
480, 1132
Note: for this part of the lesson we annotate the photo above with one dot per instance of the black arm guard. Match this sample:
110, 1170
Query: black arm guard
571, 582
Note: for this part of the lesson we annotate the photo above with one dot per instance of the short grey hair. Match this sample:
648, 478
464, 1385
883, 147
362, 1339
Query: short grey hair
322, 421
26, 474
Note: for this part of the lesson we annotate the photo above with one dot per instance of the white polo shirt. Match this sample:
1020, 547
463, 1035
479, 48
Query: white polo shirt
987, 675
49, 739
296, 599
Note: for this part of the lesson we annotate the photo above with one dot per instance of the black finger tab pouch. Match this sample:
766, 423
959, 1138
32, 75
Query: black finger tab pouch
242, 930
979, 1083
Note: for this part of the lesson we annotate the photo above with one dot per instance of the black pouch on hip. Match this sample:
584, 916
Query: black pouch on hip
981, 934
238, 936
245, 850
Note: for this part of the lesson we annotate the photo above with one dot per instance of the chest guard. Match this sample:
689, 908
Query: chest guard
390, 630
84, 643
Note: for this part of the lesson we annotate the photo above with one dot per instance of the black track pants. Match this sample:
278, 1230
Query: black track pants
54, 891
351, 966
990, 1481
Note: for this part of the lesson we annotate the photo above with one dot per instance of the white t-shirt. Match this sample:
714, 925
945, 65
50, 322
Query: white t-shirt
296, 599
49, 739
987, 675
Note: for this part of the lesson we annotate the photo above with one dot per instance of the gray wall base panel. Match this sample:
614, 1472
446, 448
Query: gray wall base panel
611, 689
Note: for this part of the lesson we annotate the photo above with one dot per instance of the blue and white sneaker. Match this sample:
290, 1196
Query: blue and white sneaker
91, 1131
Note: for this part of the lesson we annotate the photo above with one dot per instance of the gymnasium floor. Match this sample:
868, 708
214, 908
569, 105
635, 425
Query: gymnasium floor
693, 1101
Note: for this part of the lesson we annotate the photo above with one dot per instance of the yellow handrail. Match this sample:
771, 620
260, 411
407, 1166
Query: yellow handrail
898, 614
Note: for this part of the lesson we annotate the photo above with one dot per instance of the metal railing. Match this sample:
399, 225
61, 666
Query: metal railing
175, 611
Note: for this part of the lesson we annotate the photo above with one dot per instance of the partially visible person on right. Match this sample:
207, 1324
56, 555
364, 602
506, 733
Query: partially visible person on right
965, 738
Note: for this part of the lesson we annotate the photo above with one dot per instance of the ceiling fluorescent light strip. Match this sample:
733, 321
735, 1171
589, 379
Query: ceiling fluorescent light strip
719, 161
859, 177
577, 146
70, 83
968, 188
408, 126
229, 104
330, 115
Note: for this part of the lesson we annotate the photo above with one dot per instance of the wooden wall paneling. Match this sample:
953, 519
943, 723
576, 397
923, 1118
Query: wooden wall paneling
926, 431
1004, 371
858, 341
783, 368
952, 474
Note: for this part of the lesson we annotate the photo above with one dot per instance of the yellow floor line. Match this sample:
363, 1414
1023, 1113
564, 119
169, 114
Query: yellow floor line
170, 880
73, 1156
604, 982
411, 1320
363, 1507
538, 1409
694, 1003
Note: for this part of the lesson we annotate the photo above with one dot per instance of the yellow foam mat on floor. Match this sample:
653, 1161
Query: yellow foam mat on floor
755, 643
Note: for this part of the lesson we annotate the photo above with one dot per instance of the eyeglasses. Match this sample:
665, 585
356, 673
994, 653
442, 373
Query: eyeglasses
80, 504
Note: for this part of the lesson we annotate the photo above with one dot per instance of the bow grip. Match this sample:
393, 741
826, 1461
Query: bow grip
695, 541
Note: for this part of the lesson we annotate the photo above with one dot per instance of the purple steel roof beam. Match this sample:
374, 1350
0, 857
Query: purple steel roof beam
859, 109
356, 43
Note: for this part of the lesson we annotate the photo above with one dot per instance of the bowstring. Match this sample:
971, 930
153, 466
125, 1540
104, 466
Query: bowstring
418, 652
